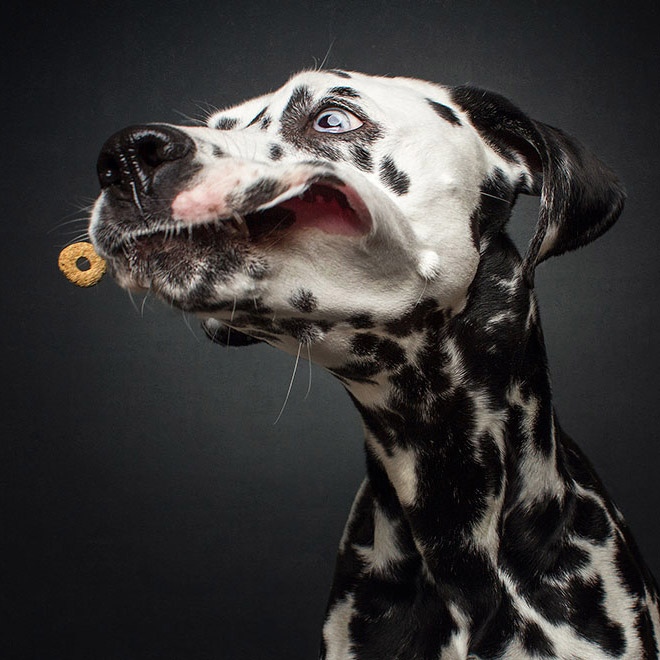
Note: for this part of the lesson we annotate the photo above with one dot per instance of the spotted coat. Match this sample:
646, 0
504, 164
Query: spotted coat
360, 222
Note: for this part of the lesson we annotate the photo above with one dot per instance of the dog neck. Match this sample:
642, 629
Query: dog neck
461, 430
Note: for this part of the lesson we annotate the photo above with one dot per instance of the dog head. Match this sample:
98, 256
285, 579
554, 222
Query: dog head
340, 198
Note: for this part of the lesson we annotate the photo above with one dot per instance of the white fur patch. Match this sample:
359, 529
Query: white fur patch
336, 630
401, 468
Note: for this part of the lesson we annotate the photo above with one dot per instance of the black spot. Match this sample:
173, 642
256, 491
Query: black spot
260, 192
364, 344
324, 325
299, 103
591, 521
396, 180
362, 158
303, 331
317, 163
217, 152
258, 117
445, 112
304, 301
629, 568
361, 321
344, 91
589, 616
275, 152
474, 230
415, 320
644, 627
489, 455
340, 73
381, 350
225, 123
496, 199
265, 122
535, 641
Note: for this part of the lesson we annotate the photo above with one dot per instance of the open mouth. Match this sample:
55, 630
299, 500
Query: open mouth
321, 206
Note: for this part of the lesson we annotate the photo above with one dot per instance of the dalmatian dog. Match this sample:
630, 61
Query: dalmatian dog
359, 222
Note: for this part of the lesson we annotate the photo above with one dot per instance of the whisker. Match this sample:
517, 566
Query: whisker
500, 199
288, 392
327, 54
67, 222
231, 320
144, 300
132, 299
186, 320
421, 295
309, 359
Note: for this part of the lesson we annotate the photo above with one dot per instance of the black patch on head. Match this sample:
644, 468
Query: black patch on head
217, 152
298, 104
225, 123
535, 642
275, 152
395, 179
340, 73
445, 112
317, 163
362, 158
304, 301
361, 321
258, 117
296, 127
344, 91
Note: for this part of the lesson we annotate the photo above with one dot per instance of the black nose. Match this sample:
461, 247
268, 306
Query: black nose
133, 159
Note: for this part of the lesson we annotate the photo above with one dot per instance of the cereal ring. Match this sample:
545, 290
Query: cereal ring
68, 263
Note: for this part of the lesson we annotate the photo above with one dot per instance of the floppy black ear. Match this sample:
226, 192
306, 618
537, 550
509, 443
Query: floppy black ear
580, 197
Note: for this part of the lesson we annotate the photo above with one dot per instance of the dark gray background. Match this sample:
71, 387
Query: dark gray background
150, 508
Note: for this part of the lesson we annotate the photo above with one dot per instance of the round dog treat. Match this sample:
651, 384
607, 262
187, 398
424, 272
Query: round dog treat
68, 263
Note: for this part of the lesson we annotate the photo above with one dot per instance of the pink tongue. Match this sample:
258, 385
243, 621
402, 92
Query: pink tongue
327, 215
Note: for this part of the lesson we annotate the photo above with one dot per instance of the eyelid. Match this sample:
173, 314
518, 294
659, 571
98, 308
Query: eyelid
330, 103
353, 121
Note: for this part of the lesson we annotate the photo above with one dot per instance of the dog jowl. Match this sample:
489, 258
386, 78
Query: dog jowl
363, 219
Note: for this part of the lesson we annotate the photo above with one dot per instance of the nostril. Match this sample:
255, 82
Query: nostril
108, 169
152, 152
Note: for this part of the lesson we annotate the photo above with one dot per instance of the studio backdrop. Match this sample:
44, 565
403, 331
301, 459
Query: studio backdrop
151, 507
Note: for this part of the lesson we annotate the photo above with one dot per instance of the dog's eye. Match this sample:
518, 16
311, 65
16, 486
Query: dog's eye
336, 120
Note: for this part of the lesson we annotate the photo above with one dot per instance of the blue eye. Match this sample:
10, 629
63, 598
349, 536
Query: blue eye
335, 120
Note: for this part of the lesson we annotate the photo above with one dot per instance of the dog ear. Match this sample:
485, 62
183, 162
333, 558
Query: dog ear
580, 197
